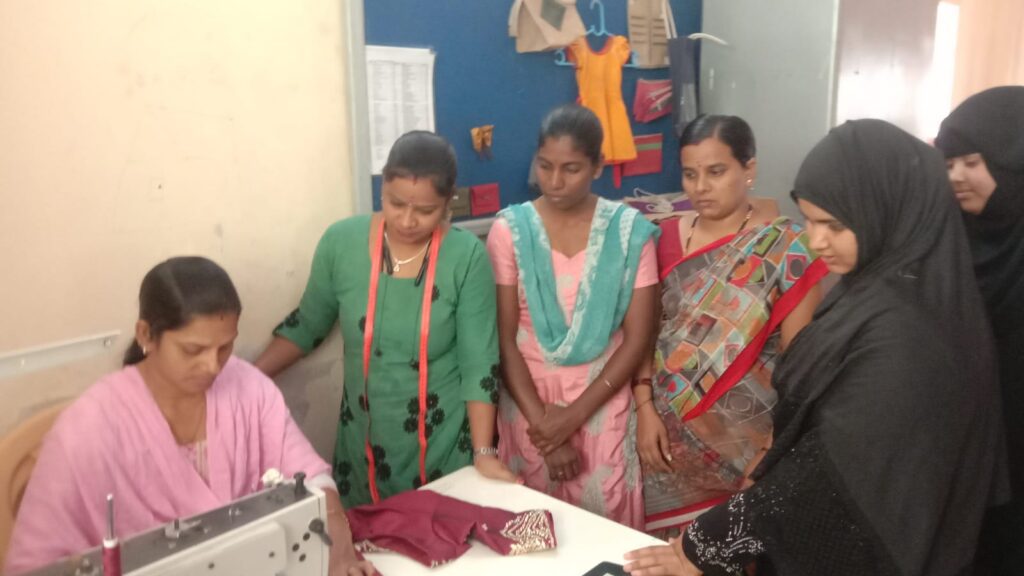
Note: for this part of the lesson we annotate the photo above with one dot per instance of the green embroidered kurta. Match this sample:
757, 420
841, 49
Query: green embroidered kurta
463, 353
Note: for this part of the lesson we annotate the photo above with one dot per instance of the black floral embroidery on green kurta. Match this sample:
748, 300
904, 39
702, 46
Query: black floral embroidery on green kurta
380, 457
491, 382
364, 403
435, 294
342, 470
362, 324
435, 415
290, 321
465, 440
346, 416
433, 475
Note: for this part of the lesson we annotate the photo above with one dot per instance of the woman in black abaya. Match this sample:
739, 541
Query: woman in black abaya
983, 141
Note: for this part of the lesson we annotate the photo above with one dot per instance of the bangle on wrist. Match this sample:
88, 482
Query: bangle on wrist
485, 451
641, 404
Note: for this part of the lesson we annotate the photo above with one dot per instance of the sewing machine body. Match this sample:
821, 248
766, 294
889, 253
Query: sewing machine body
273, 533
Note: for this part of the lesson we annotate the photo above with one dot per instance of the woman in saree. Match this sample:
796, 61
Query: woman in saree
738, 283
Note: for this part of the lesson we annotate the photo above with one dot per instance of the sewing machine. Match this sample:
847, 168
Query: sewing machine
275, 532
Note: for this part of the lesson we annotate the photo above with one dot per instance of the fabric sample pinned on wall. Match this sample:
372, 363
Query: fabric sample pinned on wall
541, 25
651, 25
599, 79
485, 199
483, 140
648, 156
682, 55
653, 99
460, 203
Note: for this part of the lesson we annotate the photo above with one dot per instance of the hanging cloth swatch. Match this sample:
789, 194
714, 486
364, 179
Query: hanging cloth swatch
651, 26
682, 56
648, 156
540, 25
653, 99
599, 78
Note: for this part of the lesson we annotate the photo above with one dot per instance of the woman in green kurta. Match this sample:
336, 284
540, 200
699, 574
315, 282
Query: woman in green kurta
381, 414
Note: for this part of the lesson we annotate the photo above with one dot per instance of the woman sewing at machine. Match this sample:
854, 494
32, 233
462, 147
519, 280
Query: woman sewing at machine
183, 428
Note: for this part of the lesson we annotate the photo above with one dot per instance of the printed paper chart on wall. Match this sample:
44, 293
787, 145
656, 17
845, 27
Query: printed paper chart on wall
400, 86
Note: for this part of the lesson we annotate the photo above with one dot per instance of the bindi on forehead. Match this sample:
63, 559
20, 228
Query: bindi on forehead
412, 203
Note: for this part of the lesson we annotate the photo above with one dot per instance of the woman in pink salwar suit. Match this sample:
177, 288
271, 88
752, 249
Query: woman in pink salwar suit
183, 428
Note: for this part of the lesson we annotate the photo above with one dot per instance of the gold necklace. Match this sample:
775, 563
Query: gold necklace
396, 264
686, 249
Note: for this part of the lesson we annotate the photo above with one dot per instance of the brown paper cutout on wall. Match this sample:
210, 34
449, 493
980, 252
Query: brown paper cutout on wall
483, 139
530, 22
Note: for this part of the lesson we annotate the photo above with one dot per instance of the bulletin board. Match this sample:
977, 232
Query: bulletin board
480, 79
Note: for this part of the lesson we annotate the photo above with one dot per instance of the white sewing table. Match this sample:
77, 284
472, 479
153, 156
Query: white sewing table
584, 539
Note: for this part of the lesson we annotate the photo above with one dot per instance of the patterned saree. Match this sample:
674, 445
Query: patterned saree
722, 308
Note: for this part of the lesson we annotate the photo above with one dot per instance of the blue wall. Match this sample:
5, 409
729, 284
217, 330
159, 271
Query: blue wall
480, 79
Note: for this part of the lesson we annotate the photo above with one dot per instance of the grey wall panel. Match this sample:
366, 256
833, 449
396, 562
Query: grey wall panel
778, 74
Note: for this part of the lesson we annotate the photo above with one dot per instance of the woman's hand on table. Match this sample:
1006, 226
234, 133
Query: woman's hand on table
665, 560
563, 463
351, 564
652, 439
491, 467
554, 429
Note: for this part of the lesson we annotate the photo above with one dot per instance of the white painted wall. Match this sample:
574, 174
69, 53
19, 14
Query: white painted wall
135, 130
990, 46
883, 61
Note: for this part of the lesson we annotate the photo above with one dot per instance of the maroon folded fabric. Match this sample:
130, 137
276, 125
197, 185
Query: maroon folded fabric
433, 529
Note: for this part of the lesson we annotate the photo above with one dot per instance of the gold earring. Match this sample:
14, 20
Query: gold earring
144, 351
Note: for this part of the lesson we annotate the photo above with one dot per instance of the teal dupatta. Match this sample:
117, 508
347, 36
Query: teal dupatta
617, 237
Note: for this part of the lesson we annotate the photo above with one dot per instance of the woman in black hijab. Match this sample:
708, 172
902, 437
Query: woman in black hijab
885, 442
983, 141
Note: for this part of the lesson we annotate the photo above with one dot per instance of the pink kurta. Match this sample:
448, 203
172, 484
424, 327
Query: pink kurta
114, 439
609, 483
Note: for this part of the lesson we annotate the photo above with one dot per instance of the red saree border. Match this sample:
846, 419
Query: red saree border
670, 234
706, 504
739, 367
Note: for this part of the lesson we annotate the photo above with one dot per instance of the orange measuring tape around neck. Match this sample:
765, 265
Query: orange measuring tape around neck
371, 317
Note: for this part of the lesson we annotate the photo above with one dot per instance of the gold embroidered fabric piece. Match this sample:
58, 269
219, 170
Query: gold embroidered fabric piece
368, 546
531, 531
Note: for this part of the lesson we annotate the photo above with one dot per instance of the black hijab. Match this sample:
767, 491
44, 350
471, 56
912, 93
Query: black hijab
886, 432
992, 123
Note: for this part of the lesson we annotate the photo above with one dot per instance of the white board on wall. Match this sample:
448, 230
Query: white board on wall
400, 94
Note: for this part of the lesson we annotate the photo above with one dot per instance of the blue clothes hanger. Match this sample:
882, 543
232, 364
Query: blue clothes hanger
600, 30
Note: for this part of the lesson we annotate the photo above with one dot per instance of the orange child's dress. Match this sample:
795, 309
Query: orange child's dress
599, 77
